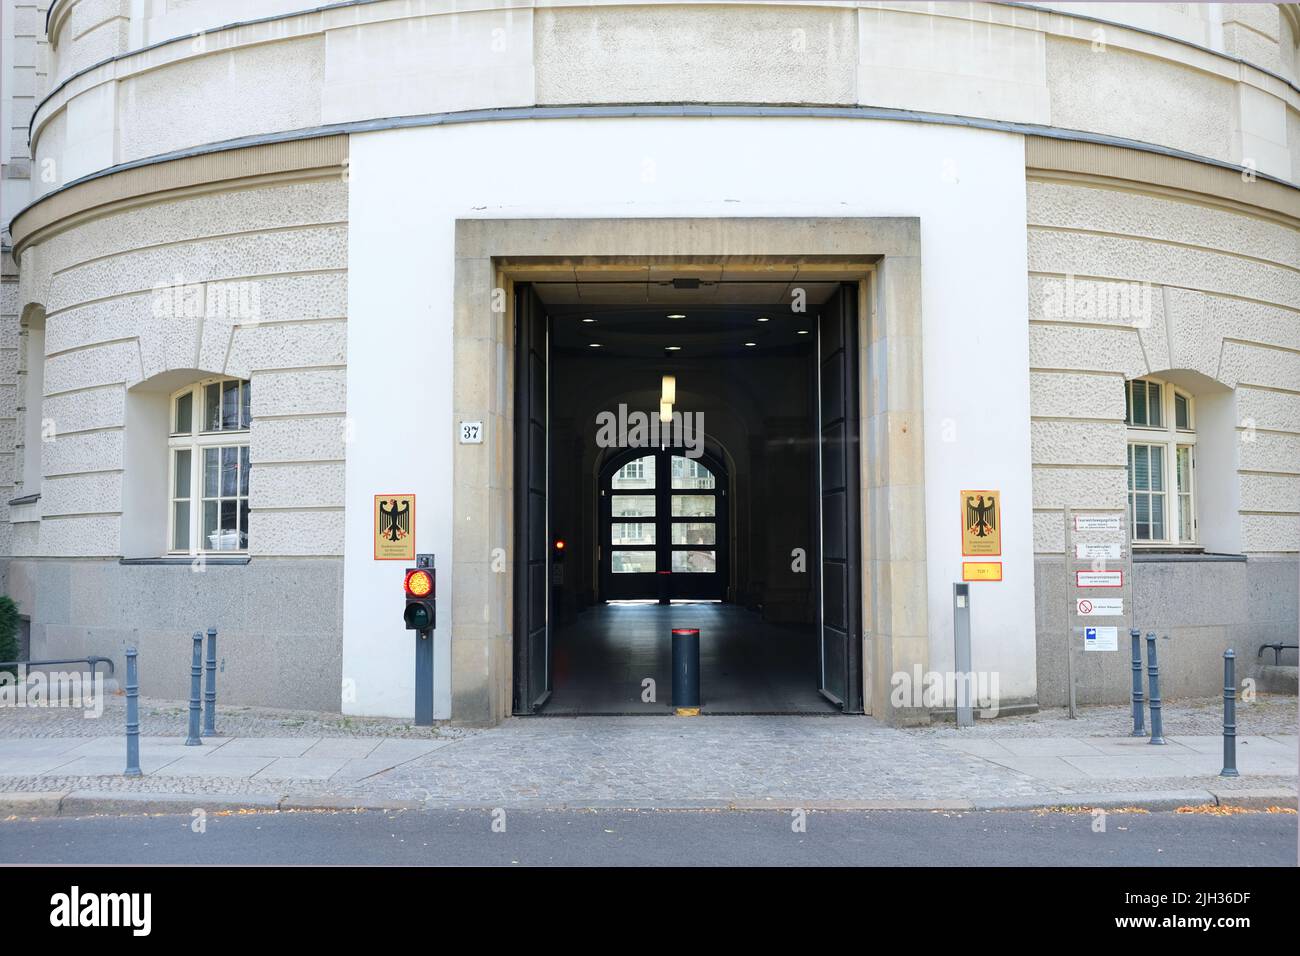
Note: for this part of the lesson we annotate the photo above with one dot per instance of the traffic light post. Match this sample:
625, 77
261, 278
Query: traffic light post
421, 616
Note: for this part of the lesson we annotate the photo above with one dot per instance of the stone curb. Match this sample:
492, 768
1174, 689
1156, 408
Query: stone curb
1253, 799
92, 802
1256, 799
1143, 799
31, 803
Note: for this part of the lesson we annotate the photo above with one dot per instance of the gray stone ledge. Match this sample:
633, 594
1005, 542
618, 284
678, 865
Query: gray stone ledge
237, 560
1156, 557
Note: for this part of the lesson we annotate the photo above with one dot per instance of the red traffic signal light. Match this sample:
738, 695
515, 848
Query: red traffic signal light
421, 611
418, 583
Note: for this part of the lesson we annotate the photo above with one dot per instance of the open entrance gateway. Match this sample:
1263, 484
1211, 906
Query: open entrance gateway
687, 455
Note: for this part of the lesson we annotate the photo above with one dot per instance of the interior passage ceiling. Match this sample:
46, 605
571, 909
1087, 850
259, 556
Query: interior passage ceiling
683, 316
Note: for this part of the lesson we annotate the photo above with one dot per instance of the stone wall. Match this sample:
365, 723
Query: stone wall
1224, 318
89, 557
128, 87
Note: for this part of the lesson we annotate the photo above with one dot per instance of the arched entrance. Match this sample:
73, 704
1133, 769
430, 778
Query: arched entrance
663, 526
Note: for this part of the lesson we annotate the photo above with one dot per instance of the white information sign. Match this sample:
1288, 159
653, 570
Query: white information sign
1099, 607
471, 433
1088, 522
1101, 638
1099, 579
1085, 551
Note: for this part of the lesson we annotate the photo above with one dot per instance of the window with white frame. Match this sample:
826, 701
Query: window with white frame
208, 451
1161, 463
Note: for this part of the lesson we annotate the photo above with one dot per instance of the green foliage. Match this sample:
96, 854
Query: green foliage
8, 632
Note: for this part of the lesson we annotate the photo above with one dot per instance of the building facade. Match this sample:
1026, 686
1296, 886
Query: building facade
264, 259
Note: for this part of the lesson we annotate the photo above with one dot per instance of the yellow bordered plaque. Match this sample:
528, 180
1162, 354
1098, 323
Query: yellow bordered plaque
394, 527
981, 570
981, 523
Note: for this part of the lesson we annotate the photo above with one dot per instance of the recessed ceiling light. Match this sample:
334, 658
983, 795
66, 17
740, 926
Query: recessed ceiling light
673, 348
593, 345
803, 331
750, 345
677, 315
763, 318
589, 320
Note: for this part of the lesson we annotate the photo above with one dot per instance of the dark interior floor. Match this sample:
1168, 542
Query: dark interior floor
747, 666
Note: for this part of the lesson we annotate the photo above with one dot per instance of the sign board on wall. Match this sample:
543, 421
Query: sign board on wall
394, 527
1099, 522
1098, 561
981, 525
1101, 638
1099, 579
981, 570
1099, 607
1092, 551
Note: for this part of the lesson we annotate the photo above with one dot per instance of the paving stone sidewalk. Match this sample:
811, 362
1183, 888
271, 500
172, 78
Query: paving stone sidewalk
280, 758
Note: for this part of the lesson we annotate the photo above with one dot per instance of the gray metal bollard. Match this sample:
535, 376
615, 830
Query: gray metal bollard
1229, 715
196, 689
1139, 730
132, 715
210, 691
961, 654
1153, 690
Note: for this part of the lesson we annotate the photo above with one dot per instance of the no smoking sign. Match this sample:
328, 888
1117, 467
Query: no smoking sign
1099, 607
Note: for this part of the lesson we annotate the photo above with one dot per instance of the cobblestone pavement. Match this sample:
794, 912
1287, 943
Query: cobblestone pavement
648, 761
1266, 714
656, 761
160, 718
783, 760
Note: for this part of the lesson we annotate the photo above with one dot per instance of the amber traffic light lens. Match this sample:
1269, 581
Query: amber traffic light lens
419, 583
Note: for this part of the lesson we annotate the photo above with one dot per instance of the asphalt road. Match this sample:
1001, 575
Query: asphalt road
648, 837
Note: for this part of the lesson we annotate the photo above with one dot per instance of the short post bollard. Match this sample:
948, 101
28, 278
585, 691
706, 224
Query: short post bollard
1229, 714
961, 655
1153, 690
196, 689
1139, 730
210, 690
686, 671
132, 715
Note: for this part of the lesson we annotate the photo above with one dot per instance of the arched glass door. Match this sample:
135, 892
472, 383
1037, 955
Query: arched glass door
663, 527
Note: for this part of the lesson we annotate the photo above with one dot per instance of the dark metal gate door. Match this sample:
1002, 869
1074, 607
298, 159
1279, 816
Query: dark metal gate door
839, 626
532, 643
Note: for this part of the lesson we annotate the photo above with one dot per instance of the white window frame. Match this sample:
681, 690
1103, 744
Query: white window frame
196, 442
1170, 438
